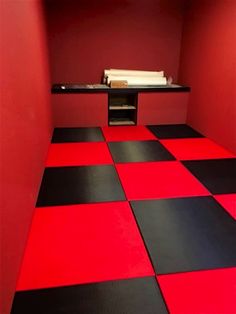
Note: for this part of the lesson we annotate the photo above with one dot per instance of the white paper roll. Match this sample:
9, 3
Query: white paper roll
138, 80
133, 73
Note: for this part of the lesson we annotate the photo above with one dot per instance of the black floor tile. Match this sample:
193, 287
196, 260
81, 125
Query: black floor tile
132, 296
219, 176
173, 131
187, 234
135, 151
74, 185
65, 135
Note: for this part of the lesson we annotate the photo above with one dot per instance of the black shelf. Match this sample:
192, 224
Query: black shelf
62, 88
122, 108
123, 121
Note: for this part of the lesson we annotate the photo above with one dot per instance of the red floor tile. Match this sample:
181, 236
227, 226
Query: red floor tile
228, 201
83, 243
196, 148
127, 133
158, 180
76, 154
206, 292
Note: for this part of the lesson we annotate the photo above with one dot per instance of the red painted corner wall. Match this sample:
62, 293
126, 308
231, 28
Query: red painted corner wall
85, 37
208, 65
25, 130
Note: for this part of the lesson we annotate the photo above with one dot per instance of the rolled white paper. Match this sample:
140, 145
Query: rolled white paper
138, 80
133, 73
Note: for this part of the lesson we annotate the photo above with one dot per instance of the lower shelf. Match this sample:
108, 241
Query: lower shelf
121, 122
123, 107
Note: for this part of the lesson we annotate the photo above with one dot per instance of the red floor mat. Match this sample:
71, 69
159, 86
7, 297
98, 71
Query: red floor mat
83, 243
127, 133
196, 148
228, 201
78, 154
208, 292
158, 180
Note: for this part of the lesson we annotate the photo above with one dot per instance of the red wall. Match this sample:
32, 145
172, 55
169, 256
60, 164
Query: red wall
80, 110
208, 65
86, 37
25, 130
162, 108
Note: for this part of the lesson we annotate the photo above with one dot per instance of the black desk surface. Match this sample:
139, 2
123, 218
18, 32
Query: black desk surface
101, 88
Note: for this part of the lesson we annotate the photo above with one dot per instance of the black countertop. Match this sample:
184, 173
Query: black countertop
101, 88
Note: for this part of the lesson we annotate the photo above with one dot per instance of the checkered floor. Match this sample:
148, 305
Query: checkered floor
132, 220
